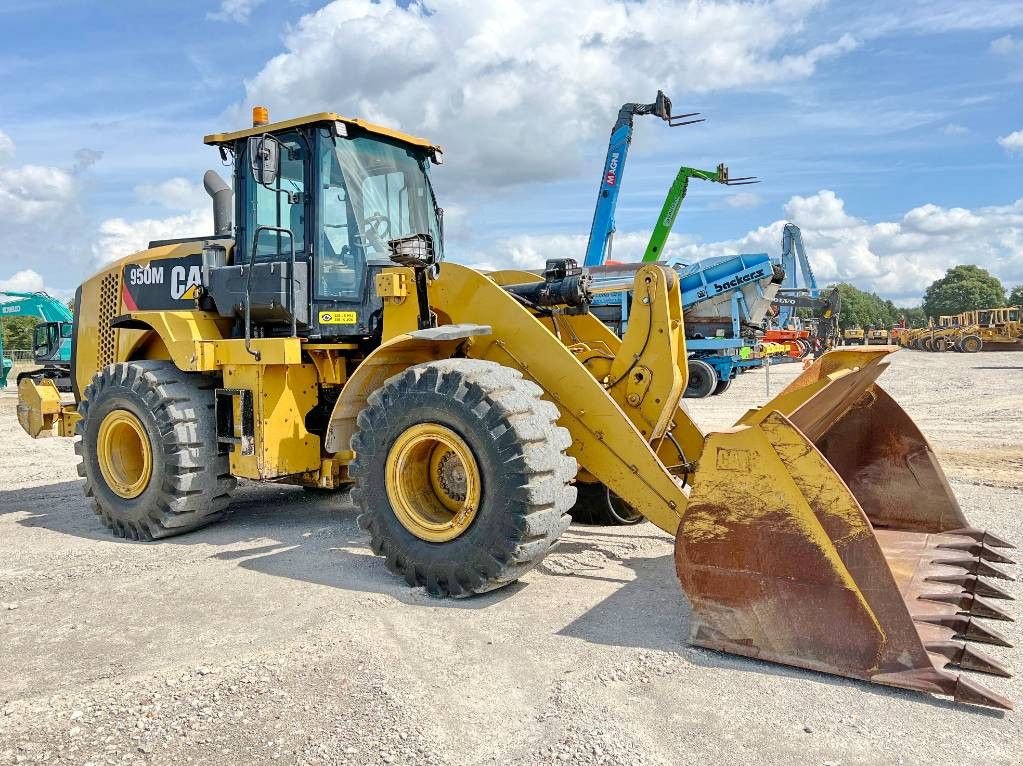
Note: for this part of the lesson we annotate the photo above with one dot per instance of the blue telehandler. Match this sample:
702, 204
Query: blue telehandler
598, 248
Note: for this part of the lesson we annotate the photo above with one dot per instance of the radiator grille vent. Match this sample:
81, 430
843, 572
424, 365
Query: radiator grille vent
108, 304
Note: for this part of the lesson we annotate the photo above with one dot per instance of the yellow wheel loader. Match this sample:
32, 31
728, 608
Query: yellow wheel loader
854, 336
319, 339
878, 336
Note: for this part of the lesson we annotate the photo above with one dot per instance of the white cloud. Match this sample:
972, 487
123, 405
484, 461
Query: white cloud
514, 87
41, 216
6, 148
743, 200
32, 193
24, 281
825, 209
1012, 143
952, 129
1007, 45
896, 259
119, 237
235, 10
173, 194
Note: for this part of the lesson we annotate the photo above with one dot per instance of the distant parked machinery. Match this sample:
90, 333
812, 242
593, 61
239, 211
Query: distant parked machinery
854, 336
51, 338
993, 329
878, 336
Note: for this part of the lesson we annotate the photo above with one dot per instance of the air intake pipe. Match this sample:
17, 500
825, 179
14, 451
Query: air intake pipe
218, 189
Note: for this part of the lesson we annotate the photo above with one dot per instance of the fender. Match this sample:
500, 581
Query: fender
391, 358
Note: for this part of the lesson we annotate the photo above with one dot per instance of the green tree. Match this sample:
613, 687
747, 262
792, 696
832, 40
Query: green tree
915, 316
862, 309
963, 288
1016, 296
18, 332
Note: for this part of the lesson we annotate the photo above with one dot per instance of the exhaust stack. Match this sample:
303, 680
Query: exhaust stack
218, 189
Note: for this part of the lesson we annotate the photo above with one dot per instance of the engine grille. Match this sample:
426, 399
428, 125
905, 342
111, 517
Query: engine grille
108, 303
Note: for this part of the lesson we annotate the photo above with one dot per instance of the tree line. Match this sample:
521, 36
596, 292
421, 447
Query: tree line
963, 288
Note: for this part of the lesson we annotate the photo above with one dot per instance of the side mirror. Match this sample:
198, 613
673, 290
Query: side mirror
265, 159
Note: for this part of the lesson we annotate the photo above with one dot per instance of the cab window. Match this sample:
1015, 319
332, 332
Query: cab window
282, 207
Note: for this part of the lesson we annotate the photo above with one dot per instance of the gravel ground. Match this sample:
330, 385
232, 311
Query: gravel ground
275, 637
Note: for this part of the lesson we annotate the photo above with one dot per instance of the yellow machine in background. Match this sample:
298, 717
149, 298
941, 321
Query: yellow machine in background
853, 336
320, 339
878, 336
998, 329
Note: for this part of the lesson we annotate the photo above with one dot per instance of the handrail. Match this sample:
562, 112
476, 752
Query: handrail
248, 284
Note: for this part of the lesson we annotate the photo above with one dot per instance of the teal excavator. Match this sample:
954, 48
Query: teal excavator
51, 338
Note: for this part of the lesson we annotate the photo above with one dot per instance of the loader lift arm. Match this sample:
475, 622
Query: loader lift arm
603, 227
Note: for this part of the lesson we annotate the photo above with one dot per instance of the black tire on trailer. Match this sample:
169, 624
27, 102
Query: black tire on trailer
939, 345
461, 476
596, 504
804, 348
971, 344
702, 379
721, 386
149, 450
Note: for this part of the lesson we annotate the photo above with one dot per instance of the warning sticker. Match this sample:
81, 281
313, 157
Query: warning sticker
338, 317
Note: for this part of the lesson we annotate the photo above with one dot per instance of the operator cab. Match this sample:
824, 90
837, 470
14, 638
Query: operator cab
321, 204
49, 339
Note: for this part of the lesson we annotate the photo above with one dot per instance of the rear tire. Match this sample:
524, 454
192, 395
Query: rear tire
597, 505
149, 450
508, 498
702, 379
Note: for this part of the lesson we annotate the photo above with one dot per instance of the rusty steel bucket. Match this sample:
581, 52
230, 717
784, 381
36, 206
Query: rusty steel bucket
822, 533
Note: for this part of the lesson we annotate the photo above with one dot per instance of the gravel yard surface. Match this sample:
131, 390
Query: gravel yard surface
276, 637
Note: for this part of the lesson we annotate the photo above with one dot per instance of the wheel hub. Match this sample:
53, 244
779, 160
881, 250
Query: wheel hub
433, 482
451, 476
124, 454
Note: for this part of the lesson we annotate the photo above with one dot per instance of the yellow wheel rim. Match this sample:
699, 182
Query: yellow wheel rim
433, 482
125, 456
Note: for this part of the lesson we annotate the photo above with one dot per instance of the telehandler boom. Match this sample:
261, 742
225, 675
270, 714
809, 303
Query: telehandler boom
319, 339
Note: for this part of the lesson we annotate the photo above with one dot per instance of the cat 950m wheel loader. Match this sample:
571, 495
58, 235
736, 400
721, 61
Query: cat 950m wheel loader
317, 338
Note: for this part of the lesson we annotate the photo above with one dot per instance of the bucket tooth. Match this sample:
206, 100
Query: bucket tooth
981, 536
974, 566
966, 629
971, 584
968, 604
979, 550
962, 656
970, 691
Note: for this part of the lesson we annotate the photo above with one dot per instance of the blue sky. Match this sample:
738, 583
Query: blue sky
875, 126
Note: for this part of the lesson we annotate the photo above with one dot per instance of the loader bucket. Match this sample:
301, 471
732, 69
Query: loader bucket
821, 533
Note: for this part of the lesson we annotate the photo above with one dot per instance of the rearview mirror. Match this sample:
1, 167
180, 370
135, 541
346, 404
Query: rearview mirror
265, 159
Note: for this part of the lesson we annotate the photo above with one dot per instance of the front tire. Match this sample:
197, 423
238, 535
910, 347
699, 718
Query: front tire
461, 476
150, 457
